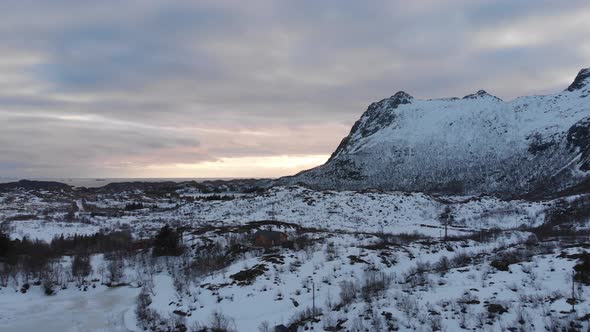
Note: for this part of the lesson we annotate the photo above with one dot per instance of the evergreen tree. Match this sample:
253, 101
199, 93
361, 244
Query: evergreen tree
167, 242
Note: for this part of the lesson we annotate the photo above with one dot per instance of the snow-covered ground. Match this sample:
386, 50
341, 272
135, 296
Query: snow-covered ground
344, 257
389, 212
47, 230
537, 289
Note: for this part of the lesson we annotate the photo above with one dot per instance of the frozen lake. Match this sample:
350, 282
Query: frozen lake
104, 309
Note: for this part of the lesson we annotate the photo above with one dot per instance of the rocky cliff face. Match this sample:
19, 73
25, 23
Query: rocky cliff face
478, 144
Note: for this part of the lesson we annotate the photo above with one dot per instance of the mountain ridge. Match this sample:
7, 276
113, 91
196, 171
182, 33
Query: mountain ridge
478, 144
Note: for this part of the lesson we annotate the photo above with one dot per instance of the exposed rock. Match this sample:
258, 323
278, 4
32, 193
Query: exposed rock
582, 80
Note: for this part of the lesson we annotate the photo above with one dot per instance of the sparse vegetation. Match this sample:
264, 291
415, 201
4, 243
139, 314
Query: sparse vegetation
167, 242
356, 280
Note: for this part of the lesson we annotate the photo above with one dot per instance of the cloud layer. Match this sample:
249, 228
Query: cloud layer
218, 88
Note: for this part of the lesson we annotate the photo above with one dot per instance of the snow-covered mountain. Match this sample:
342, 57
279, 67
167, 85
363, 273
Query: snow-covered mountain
470, 145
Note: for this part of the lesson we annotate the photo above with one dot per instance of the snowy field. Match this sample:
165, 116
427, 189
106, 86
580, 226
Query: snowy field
370, 261
387, 212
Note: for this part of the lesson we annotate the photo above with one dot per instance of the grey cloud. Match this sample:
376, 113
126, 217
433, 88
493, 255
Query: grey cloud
184, 82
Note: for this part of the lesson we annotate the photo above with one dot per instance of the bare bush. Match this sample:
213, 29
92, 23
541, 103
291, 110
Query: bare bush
461, 259
221, 323
348, 290
115, 270
304, 316
374, 284
81, 268
264, 327
407, 304
331, 252
443, 264
146, 317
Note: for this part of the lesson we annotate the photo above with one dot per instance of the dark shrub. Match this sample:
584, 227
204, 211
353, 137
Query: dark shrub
583, 269
167, 242
503, 262
495, 308
81, 267
133, 206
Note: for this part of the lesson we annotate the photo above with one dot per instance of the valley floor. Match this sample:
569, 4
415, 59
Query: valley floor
370, 261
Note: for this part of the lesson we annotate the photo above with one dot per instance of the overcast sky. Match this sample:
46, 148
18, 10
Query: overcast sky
215, 88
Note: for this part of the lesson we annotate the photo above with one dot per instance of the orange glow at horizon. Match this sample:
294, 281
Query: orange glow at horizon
236, 167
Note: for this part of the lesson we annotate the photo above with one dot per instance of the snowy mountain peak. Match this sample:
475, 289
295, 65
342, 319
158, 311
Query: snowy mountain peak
402, 96
478, 144
582, 80
481, 94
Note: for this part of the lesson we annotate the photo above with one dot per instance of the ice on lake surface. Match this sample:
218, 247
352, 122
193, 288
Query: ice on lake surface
101, 309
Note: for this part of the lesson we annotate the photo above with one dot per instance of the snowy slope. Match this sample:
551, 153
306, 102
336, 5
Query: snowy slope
477, 144
346, 211
345, 243
390, 212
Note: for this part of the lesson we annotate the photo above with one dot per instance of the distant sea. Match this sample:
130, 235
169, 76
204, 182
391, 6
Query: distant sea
99, 182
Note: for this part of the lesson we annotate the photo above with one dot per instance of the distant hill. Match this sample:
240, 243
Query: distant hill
35, 185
